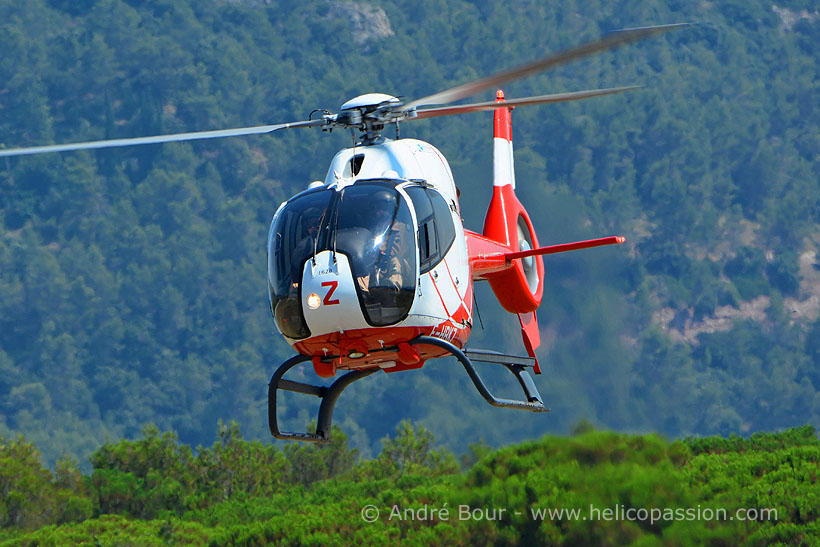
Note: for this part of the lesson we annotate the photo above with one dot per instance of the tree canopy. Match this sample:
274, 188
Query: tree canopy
593, 488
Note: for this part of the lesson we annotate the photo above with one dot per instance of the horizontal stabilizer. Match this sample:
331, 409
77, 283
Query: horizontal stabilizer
564, 247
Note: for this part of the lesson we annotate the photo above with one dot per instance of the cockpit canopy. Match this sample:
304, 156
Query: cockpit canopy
370, 222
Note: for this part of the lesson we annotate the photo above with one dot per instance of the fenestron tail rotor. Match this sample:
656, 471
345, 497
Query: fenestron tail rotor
370, 113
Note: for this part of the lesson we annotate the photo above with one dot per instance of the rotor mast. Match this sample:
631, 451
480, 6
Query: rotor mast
369, 113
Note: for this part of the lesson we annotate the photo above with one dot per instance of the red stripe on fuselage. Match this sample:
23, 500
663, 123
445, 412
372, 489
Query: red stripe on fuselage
463, 312
441, 298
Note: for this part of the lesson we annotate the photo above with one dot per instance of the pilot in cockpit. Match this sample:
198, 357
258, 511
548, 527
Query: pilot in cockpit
310, 222
390, 266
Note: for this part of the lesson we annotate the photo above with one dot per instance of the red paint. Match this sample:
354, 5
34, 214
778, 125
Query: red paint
502, 124
408, 354
324, 369
500, 227
336, 347
401, 367
438, 292
564, 247
465, 310
531, 336
333, 285
487, 257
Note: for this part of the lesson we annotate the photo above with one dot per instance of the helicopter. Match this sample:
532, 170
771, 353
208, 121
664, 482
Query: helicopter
372, 269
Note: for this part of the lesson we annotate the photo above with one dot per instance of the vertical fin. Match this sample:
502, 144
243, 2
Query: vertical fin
503, 169
531, 335
502, 225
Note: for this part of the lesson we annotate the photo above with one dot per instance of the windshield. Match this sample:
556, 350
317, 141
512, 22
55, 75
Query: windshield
368, 222
293, 238
375, 230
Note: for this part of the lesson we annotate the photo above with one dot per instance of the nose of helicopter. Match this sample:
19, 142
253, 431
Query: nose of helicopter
329, 292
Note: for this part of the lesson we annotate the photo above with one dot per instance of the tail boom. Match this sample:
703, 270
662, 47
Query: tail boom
489, 259
507, 254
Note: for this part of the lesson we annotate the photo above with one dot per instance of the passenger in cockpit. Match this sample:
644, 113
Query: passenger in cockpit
310, 223
391, 265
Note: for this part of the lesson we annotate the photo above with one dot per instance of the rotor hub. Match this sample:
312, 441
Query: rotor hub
370, 113
370, 101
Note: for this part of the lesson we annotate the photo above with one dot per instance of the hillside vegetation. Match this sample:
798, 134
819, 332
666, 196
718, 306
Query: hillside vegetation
596, 488
132, 285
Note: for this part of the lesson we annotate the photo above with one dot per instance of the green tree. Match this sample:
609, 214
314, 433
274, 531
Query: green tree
413, 448
31, 497
315, 462
145, 478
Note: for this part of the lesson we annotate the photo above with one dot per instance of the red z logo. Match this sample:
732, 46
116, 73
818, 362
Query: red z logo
333, 286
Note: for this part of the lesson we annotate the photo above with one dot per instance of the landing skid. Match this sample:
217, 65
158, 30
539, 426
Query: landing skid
330, 394
516, 365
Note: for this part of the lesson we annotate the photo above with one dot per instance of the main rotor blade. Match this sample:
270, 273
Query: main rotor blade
471, 88
540, 99
112, 143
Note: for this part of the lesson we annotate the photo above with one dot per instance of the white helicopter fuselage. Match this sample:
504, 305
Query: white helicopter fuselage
331, 292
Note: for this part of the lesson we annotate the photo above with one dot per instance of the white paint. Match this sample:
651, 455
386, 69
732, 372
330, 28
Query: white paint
408, 158
503, 166
369, 99
346, 315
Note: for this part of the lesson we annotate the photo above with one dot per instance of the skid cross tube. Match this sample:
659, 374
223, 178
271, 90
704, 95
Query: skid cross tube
533, 403
328, 394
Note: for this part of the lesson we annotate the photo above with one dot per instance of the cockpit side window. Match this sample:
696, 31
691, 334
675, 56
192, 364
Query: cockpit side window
294, 236
435, 226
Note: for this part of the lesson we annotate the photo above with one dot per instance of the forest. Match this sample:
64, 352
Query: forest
591, 488
132, 281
